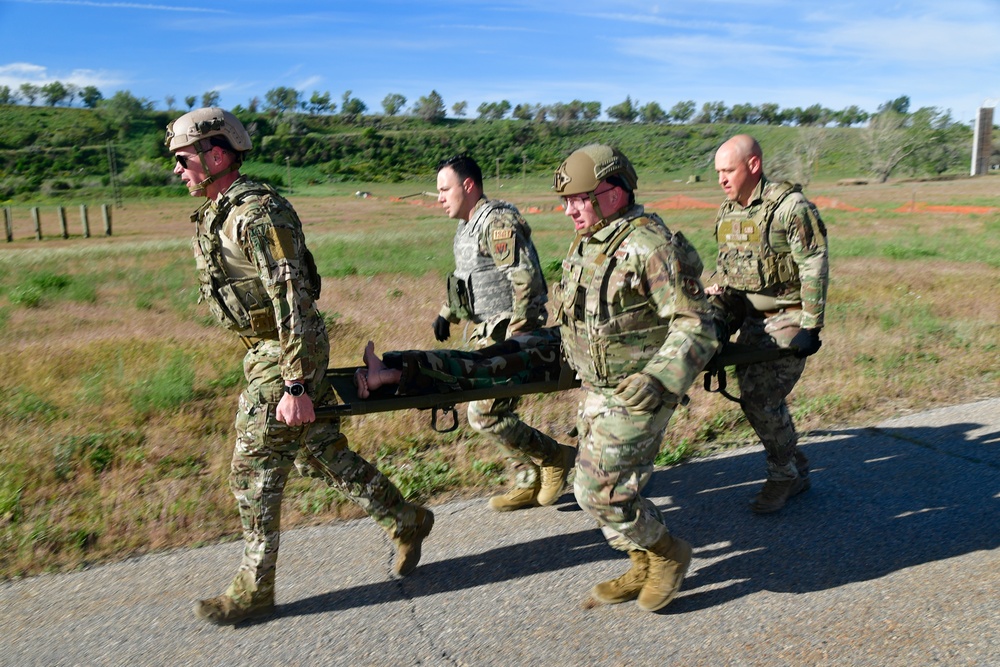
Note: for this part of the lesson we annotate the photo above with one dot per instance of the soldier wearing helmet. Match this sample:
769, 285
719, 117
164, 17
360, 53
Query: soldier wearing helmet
637, 329
499, 287
260, 281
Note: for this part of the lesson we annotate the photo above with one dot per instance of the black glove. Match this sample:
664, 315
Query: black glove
805, 343
442, 328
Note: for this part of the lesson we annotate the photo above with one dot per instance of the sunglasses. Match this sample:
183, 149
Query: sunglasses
182, 160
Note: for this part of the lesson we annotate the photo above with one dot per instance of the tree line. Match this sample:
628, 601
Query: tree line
432, 108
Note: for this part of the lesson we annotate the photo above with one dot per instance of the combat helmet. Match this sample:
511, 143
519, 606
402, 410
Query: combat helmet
196, 128
586, 167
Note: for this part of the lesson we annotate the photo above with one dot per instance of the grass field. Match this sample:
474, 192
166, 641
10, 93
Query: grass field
116, 425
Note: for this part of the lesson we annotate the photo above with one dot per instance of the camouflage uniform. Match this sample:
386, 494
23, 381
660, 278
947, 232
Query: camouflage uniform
526, 358
498, 285
259, 280
630, 300
773, 263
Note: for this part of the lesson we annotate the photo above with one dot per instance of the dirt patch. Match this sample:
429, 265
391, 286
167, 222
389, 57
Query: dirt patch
680, 202
923, 207
831, 203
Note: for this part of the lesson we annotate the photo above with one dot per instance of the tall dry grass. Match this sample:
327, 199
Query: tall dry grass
120, 392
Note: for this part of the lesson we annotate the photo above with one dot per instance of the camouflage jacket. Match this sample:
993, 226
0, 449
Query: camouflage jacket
257, 275
631, 300
775, 249
498, 276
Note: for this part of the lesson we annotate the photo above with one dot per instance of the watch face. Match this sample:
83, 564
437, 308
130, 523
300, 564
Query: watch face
295, 389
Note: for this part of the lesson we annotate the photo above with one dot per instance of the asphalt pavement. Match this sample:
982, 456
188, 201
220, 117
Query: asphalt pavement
890, 559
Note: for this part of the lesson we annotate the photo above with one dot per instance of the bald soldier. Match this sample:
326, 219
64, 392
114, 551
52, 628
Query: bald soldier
773, 270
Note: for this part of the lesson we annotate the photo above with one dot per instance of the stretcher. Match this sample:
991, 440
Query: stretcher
385, 399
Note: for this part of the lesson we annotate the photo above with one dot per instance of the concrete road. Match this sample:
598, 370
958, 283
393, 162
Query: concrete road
891, 559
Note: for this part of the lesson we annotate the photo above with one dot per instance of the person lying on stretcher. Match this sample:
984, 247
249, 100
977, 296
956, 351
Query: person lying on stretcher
523, 359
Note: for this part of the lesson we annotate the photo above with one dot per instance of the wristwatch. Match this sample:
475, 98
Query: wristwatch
295, 389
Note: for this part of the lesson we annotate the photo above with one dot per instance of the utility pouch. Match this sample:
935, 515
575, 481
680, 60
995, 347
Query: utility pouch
458, 298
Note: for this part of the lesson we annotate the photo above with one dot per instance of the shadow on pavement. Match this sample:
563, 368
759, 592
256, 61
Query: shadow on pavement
881, 500
878, 504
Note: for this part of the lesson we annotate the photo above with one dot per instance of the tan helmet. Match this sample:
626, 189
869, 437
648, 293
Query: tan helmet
200, 124
586, 167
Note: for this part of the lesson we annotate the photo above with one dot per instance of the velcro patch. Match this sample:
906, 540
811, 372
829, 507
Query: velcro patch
282, 242
499, 234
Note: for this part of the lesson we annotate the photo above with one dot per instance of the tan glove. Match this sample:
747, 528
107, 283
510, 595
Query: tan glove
641, 393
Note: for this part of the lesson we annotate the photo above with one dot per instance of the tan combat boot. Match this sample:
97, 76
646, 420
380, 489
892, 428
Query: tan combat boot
627, 586
669, 560
517, 498
408, 547
224, 610
774, 494
554, 474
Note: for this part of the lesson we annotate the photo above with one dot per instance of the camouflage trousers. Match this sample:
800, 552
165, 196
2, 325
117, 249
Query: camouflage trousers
764, 388
614, 463
531, 357
265, 452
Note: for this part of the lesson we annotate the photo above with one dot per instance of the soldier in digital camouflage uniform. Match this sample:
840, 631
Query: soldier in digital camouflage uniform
637, 329
499, 287
259, 280
773, 271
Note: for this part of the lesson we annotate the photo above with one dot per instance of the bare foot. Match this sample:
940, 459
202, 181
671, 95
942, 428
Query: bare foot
375, 368
361, 382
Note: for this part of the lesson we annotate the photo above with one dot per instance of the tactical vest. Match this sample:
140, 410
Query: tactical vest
478, 290
748, 256
234, 293
605, 347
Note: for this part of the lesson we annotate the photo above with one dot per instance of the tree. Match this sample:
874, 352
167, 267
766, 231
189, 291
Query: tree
652, 112
523, 112
393, 103
744, 114
282, 99
7, 96
493, 110
210, 98
852, 115
886, 143
458, 109
319, 103
711, 112
430, 107
29, 92
189, 101
53, 93
590, 110
770, 114
899, 105
120, 111
564, 113
170, 101
623, 112
254, 104
682, 111
352, 107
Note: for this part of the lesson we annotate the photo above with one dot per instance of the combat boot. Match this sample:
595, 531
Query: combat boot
627, 586
517, 498
775, 493
408, 547
669, 560
554, 474
225, 610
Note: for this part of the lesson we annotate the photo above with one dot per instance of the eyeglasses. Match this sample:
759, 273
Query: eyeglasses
584, 197
182, 160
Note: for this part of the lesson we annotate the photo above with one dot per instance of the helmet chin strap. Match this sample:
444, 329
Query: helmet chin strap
200, 147
603, 221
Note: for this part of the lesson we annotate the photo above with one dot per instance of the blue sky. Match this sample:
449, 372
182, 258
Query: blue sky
837, 53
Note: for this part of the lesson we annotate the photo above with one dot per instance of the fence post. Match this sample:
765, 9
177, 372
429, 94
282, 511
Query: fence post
106, 212
38, 223
8, 223
62, 223
84, 221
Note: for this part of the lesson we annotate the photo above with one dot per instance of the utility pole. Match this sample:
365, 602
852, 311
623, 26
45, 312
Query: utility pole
498, 173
